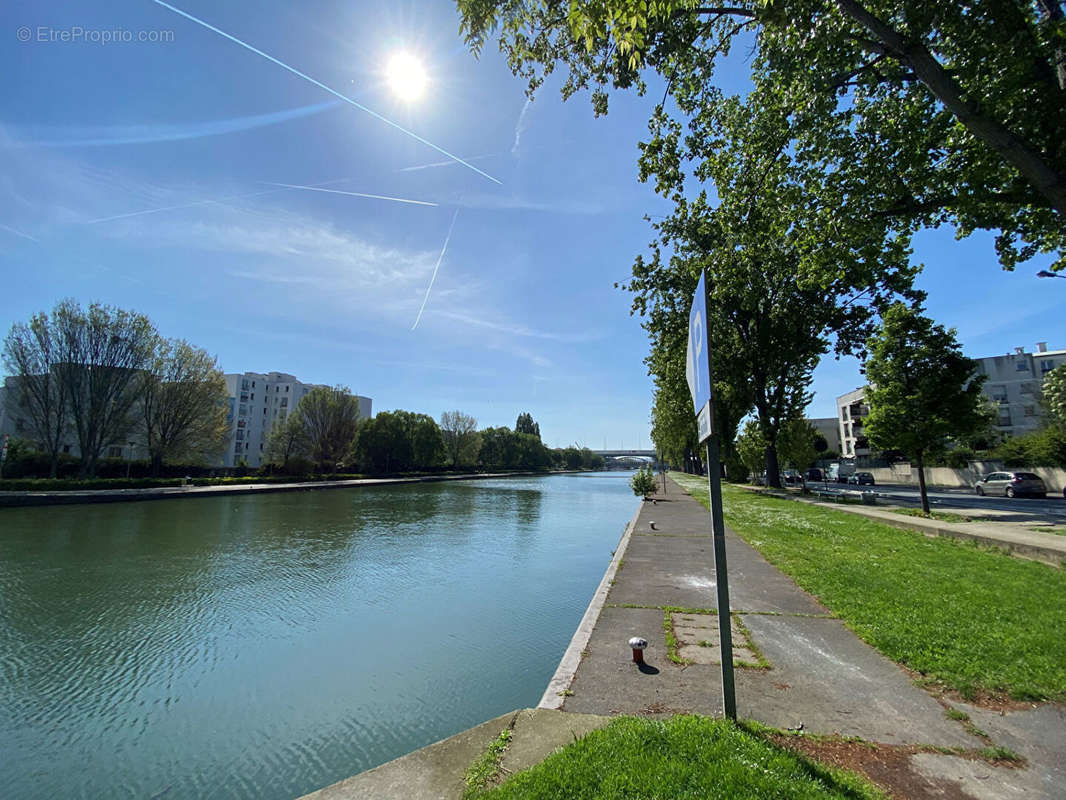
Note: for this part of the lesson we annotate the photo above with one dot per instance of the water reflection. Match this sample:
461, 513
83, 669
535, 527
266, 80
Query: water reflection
264, 646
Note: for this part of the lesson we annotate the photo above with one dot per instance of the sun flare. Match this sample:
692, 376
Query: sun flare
406, 76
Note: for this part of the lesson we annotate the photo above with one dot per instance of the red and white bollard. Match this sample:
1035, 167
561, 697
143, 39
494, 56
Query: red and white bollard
638, 646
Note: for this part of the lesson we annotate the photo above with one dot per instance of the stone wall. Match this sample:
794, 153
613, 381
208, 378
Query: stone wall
1054, 477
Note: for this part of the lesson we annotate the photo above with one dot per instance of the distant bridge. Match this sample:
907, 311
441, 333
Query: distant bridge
626, 453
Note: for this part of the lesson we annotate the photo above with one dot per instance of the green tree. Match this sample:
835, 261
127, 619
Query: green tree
1054, 394
427, 441
499, 448
797, 443
525, 424
383, 444
461, 440
182, 404
32, 357
287, 441
103, 352
918, 113
751, 447
922, 390
643, 482
329, 417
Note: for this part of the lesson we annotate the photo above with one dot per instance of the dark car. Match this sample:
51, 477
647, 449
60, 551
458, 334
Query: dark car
1011, 484
814, 474
862, 479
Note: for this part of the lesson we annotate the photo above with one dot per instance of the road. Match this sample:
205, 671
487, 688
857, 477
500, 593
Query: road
1051, 510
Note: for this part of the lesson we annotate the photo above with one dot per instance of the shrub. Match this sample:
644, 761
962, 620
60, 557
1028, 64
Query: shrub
643, 482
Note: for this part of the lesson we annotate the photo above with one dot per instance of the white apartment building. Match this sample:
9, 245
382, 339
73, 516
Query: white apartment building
1013, 381
257, 402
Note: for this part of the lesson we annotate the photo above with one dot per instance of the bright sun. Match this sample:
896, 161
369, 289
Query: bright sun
406, 76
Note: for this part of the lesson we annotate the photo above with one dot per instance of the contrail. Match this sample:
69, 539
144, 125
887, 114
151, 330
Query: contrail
20, 233
440, 258
333, 92
520, 127
183, 205
354, 194
436, 164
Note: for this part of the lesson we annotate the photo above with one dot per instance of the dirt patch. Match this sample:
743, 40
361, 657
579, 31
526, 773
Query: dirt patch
889, 766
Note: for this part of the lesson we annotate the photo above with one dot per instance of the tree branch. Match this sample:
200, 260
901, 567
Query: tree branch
1030, 162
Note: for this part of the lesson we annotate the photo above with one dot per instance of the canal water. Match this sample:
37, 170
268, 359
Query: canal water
268, 645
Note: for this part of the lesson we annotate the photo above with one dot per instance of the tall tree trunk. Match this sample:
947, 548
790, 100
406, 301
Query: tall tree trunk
773, 470
53, 465
921, 482
157, 464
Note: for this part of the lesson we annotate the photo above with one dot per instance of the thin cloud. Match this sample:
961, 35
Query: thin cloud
521, 330
321, 85
99, 136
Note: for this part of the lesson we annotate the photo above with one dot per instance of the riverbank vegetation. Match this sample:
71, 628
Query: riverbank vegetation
973, 620
685, 756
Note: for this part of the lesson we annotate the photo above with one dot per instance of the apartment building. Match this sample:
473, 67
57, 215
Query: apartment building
852, 409
257, 402
1012, 381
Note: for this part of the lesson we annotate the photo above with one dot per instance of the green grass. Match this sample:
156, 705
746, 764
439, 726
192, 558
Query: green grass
941, 516
971, 619
1056, 531
683, 757
485, 770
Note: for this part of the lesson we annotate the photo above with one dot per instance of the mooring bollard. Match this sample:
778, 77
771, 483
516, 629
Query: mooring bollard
638, 646
652, 525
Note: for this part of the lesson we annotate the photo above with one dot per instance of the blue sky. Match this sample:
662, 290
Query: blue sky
522, 315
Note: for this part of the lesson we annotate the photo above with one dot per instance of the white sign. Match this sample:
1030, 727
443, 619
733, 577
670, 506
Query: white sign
697, 361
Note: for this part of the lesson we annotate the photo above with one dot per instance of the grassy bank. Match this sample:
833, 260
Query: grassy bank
975, 620
88, 484
683, 757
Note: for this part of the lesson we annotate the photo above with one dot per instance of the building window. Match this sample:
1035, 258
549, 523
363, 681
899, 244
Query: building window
287, 388
66, 448
114, 452
264, 411
284, 402
240, 436
1030, 411
1046, 367
244, 385
1021, 366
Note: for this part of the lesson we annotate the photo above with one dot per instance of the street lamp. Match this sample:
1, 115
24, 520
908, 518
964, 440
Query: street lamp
1046, 274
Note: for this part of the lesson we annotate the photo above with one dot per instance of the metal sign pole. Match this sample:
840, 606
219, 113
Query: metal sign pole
721, 578
698, 376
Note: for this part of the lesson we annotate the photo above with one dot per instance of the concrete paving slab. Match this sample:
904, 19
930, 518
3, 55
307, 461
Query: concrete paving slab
698, 640
836, 683
979, 779
1039, 735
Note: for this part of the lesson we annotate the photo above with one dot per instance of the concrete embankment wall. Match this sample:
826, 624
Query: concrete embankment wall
1054, 477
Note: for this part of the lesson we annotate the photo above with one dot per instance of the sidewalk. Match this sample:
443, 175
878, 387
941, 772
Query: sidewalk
801, 668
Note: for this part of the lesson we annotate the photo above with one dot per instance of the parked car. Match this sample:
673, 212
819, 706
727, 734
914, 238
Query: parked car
791, 478
814, 474
862, 479
1011, 484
